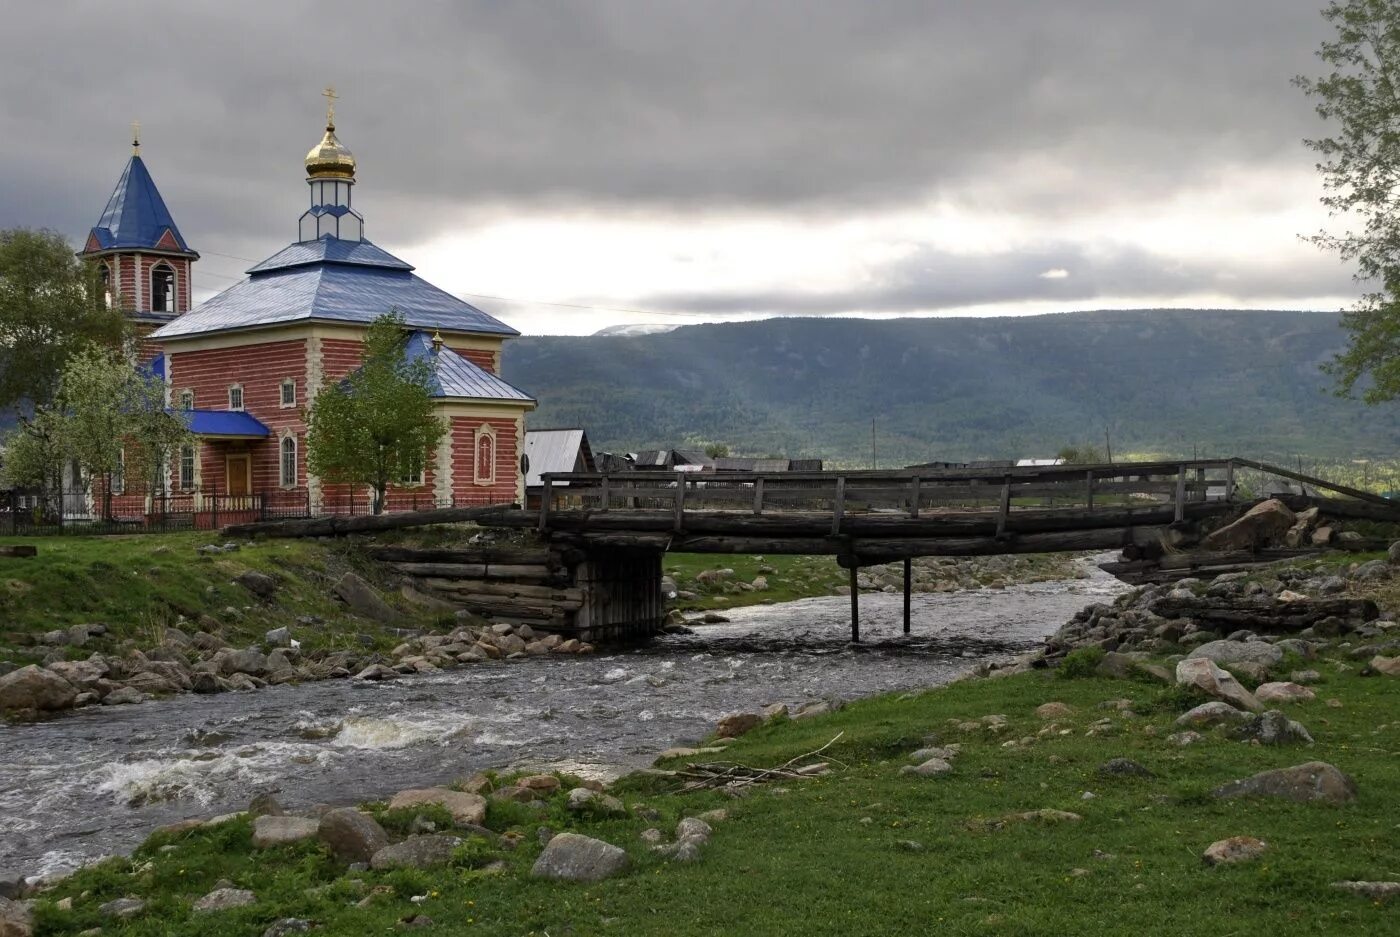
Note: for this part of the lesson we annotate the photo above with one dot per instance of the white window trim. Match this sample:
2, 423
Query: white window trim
281, 466
416, 480
181, 399
489, 476
180, 468
174, 297
282, 397
242, 398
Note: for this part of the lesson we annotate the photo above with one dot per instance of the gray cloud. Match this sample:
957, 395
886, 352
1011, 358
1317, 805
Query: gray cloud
670, 108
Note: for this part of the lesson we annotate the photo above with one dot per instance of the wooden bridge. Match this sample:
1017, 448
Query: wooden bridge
625, 521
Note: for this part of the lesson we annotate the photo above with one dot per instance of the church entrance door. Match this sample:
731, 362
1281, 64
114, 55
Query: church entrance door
240, 475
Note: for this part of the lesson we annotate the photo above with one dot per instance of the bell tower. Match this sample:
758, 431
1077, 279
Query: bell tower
140, 255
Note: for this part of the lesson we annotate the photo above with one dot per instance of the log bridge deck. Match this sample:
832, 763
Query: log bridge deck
867, 518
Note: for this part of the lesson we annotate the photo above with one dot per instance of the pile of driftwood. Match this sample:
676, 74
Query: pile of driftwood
732, 776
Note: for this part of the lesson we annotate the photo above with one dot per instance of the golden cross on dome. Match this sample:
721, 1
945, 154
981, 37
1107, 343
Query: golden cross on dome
136, 138
330, 97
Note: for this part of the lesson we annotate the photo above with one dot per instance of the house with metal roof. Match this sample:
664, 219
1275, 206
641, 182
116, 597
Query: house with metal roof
245, 365
554, 450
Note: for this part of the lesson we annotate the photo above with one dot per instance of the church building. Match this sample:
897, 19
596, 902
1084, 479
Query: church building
245, 365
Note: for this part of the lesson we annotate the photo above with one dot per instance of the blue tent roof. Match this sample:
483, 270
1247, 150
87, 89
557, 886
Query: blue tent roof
136, 216
332, 281
455, 376
224, 423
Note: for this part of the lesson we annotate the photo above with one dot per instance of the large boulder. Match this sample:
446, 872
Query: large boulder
1273, 728
464, 807
35, 688
352, 836
575, 858
269, 830
249, 660
737, 724
1390, 666
222, 899
1263, 524
1209, 715
1239, 652
1233, 850
260, 584
1204, 675
1284, 692
416, 852
16, 920
363, 599
1314, 780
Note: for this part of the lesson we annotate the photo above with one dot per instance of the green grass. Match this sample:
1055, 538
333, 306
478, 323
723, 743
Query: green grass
829, 856
793, 577
140, 584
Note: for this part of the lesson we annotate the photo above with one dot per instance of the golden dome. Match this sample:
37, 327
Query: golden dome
329, 159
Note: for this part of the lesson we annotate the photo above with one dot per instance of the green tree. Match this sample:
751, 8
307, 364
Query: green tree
717, 450
1360, 167
51, 305
377, 425
1081, 455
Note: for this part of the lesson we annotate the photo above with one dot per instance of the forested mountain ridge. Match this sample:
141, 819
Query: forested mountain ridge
1243, 382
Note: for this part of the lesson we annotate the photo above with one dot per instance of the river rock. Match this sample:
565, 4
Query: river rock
932, 768
1123, 768
1208, 715
1239, 652
1263, 524
16, 920
1375, 891
35, 688
584, 800
270, 831
222, 899
83, 674
416, 852
1276, 693
1272, 728
1203, 674
1389, 666
362, 598
694, 829
122, 908
576, 858
464, 807
352, 836
124, 696
279, 637
249, 660
737, 724
260, 584
1054, 710
1312, 781
1233, 850
544, 783
287, 925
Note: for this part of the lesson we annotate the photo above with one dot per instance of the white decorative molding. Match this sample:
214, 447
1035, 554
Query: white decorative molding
487, 477
442, 469
315, 374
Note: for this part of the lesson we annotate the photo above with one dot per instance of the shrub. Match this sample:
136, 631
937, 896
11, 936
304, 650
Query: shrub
1080, 663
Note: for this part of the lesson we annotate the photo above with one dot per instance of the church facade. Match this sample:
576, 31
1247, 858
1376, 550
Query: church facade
245, 366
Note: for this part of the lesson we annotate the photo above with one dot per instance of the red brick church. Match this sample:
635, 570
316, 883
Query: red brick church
244, 365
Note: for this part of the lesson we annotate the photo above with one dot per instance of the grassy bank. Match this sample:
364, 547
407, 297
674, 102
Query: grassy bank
868, 850
138, 585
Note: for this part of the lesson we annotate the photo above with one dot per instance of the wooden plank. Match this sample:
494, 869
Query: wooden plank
396, 554
1089, 490
1230, 481
758, 495
508, 589
477, 570
839, 506
1318, 482
365, 523
605, 494
915, 495
680, 502
1004, 512
546, 496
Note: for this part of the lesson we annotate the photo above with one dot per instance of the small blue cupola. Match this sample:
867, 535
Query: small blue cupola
330, 171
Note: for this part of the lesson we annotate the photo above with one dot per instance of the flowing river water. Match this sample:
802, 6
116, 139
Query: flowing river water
95, 782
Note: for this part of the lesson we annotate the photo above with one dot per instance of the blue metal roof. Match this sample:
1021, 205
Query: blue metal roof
330, 250
332, 281
155, 368
224, 423
455, 376
136, 216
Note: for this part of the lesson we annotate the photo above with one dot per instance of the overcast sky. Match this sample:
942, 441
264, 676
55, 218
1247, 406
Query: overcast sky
711, 160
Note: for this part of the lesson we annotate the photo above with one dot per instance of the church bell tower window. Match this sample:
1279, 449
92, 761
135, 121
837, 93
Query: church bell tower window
104, 277
162, 288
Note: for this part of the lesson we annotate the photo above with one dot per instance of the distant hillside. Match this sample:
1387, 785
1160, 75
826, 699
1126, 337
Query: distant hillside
959, 388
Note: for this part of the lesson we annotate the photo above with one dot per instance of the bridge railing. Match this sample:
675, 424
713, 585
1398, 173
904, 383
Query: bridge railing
904, 491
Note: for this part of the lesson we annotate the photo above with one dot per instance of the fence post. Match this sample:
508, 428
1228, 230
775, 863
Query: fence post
1089, 489
605, 495
680, 501
915, 495
1005, 510
838, 508
546, 496
308, 500
1230, 480
758, 495
215, 520
1181, 492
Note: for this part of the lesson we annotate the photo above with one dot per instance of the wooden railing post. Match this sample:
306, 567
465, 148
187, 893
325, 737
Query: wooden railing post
1230, 480
758, 495
1089, 489
680, 501
1004, 513
606, 495
914, 495
838, 506
546, 496
1181, 492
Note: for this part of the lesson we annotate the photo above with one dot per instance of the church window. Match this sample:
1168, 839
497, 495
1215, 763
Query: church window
235, 397
186, 467
289, 462
186, 400
162, 288
104, 276
485, 455
289, 393
119, 474
413, 475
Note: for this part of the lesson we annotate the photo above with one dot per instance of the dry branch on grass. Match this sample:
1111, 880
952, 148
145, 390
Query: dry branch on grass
716, 774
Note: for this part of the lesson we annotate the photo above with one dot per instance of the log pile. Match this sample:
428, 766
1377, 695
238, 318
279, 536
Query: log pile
523, 586
1264, 614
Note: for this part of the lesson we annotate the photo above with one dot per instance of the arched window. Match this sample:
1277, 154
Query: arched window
162, 288
485, 453
289, 462
104, 277
119, 474
186, 400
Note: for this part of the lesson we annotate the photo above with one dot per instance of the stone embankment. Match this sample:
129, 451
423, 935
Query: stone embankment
201, 662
